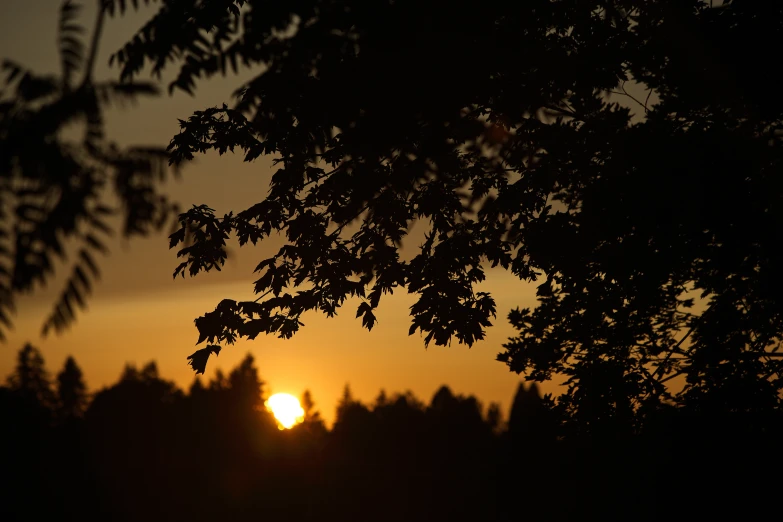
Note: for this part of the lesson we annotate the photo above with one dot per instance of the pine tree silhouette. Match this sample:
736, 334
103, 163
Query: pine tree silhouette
71, 391
30, 380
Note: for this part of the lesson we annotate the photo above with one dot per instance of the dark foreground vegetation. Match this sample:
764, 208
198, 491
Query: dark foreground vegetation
142, 449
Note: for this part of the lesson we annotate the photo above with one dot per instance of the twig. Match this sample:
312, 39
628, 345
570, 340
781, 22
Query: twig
647, 100
625, 93
262, 296
96, 36
565, 112
671, 351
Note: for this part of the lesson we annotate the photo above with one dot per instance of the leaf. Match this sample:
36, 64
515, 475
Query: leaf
96, 244
369, 320
177, 238
364, 307
198, 359
88, 261
70, 44
14, 70
125, 92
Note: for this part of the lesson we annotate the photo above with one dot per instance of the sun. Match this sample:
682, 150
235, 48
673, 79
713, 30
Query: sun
286, 409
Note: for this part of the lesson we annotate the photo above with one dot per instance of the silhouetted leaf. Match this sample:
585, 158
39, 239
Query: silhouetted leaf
71, 47
198, 359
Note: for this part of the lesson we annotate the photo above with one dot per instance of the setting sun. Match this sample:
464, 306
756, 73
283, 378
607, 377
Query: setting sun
286, 409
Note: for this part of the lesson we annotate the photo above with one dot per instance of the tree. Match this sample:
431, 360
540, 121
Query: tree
494, 416
60, 174
71, 390
346, 402
308, 405
313, 423
197, 387
30, 380
245, 384
529, 421
648, 226
381, 400
458, 417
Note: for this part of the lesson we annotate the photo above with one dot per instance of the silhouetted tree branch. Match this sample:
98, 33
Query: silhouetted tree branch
53, 188
493, 128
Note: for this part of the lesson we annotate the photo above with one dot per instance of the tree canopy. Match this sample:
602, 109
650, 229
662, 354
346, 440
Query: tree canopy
650, 228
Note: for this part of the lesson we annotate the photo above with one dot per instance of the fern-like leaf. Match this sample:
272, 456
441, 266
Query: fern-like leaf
6, 295
119, 6
69, 39
13, 71
29, 86
55, 184
94, 135
79, 283
124, 93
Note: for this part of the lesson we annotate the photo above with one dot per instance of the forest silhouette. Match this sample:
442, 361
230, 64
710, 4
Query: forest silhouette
143, 449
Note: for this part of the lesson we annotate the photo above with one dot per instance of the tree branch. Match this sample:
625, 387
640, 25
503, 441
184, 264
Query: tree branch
96, 36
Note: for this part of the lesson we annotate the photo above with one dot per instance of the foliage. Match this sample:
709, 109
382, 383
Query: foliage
30, 379
71, 390
245, 384
146, 450
198, 359
308, 405
649, 228
530, 421
60, 176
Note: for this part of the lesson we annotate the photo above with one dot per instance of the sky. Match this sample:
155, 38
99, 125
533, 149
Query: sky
138, 313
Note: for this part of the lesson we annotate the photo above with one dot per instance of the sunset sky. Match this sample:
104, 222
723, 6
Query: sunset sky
138, 313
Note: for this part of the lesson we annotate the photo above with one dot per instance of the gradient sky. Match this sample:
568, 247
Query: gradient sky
138, 313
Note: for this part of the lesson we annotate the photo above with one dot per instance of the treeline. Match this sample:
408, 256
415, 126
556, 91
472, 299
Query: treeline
143, 449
